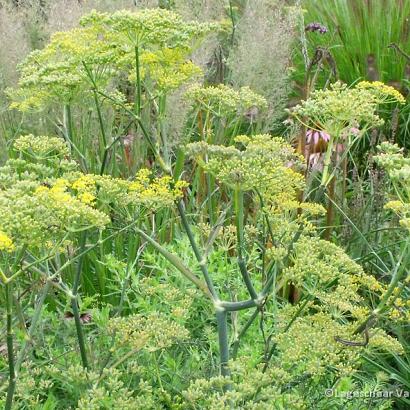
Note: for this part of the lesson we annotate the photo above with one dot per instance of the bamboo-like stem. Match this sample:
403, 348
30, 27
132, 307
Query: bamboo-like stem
74, 303
221, 320
326, 163
68, 124
209, 199
99, 116
138, 120
163, 130
330, 209
240, 305
239, 219
69, 134
138, 91
10, 347
199, 257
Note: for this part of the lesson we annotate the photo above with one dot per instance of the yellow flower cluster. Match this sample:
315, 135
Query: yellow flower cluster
85, 187
74, 208
340, 108
248, 388
167, 68
222, 100
313, 348
56, 73
107, 44
41, 146
266, 163
391, 158
151, 332
143, 190
383, 91
6, 244
158, 191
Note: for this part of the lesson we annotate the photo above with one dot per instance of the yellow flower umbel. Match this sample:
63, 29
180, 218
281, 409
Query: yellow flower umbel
105, 44
6, 244
144, 190
384, 92
266, 163
397, 166
41, 146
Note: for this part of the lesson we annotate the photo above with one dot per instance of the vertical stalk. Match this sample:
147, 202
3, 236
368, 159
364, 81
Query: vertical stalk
194, 246
239, 219
99, 115
74, 303
68, 124
103, 133
326, 163
221, 320
10, 352
330, 209
138, 91
209, 199
162, 129
231, 15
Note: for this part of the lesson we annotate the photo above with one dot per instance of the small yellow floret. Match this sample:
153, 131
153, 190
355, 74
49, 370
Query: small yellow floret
6, 244
86, 198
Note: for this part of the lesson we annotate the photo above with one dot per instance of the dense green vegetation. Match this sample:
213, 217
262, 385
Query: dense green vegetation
204, 205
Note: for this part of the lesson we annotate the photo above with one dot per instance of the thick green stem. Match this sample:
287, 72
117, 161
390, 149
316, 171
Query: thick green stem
199, 257
68, 123
74, 303
326, 163
69, 134
330, 210
239, 218
138, 92
241, 305
221, 320
103, 133
10, 351
163, 129
209, 184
